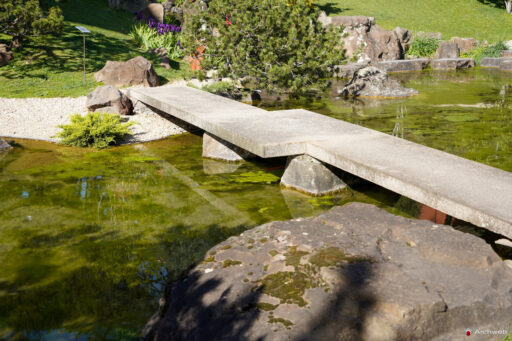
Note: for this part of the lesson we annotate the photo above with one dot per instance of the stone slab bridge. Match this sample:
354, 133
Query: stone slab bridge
318, 147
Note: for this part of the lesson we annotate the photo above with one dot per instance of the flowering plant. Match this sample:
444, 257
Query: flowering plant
152, 34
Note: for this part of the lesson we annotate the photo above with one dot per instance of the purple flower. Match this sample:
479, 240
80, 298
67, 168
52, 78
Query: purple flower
177, 29
138, 16
151, 23
179, 44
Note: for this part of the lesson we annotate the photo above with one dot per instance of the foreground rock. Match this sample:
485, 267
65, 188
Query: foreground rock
136, 71
4, 145
372, 82
452, 63
109, 99
5, 54
366, 41
354, 273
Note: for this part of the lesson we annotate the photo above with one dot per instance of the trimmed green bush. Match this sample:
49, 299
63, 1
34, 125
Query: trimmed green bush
423, 47
96, 129
268, 44
480, 52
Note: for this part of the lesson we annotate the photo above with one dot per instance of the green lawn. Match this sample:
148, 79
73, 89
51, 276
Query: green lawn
480, 19
51, 66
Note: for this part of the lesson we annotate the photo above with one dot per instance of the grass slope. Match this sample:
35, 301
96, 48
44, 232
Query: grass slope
51, 66
480, 19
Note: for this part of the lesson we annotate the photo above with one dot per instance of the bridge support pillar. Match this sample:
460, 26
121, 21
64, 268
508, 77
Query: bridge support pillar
310, 176
218, 149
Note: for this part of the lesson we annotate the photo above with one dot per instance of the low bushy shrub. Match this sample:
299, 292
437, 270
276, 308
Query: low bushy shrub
480, 52
153, 35
423, 47
267, 44
96, 129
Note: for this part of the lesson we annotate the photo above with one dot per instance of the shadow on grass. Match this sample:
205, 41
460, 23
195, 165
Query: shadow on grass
332, 8
493, 3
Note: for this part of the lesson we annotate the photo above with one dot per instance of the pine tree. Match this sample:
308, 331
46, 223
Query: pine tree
271, 44
22, 18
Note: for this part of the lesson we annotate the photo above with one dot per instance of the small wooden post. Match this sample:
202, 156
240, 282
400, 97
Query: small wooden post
84, 31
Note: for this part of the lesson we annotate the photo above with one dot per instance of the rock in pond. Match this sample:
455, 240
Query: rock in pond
353, 273
109, 99
136, 71
373, 82
4, 145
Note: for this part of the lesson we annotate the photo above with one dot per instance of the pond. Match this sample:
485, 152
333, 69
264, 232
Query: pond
88, 239
467, 113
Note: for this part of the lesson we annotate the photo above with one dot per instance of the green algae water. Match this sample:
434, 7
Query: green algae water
467, 113
88, 239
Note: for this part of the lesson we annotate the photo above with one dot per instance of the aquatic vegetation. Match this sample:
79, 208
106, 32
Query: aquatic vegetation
256, 177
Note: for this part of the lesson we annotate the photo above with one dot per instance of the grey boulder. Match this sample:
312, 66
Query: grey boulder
353, 273
447, 50
5, 54
464, 44
109, 99
136, 71
4, 145
373, 82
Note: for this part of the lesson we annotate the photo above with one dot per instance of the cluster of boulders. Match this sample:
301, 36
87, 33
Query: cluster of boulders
137, 71
365, 41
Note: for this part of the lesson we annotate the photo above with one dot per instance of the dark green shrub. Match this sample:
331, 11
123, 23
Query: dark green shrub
480, 52
96, 129
269, 44
423, 47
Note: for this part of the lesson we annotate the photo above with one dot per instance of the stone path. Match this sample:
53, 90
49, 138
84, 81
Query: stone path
464, 189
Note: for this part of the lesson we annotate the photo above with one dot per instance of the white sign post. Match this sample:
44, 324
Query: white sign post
84, 31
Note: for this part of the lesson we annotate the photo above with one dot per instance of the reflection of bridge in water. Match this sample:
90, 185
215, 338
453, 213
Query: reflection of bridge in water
461, 188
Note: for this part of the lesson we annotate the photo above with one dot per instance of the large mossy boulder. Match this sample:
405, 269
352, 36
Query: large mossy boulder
136, 71
353, 273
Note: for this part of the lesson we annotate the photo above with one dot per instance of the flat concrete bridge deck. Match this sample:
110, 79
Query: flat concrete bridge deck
464, 189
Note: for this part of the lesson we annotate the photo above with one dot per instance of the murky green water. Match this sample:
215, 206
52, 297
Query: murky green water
467, 113
88, 238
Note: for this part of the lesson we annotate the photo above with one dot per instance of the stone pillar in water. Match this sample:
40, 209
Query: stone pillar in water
218, 149
310, 176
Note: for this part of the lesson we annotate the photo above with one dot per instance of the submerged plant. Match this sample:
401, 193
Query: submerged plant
96, 129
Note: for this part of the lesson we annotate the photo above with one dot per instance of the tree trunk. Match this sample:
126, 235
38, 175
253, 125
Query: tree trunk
508, 6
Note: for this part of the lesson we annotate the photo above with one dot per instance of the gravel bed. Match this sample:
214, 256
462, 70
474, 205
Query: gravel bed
39, 118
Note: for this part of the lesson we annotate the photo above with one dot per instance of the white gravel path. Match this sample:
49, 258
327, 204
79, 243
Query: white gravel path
39, 118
